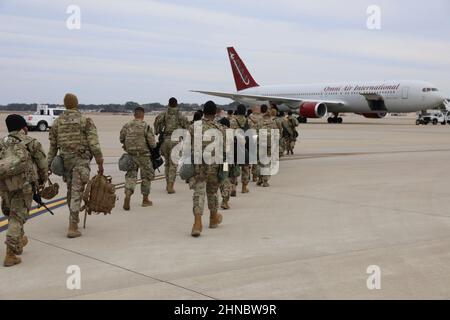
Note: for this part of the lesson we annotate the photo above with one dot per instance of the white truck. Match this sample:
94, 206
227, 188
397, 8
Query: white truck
43, 118
434, 117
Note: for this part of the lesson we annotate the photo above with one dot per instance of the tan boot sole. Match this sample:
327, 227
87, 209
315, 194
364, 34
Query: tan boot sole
73, 235
196, 233
12, 263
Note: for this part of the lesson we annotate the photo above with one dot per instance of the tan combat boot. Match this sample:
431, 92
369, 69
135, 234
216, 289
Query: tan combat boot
233, 190
146, 202
266, 184
23, 243
73, 231
255, 178
169, 188
197, 227
245, 188
10, 258
215, 219
259, 183
127, 200
225, 205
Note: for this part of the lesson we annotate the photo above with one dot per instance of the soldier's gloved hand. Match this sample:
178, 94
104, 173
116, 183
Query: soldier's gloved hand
41, 183
100, 168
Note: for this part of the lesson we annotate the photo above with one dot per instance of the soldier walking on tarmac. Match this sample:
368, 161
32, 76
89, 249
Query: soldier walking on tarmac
268, 124
241, 122
165, 124
75, 138
137, 139
206, 179
17, 190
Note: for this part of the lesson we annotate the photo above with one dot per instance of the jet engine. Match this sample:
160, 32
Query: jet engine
313, 110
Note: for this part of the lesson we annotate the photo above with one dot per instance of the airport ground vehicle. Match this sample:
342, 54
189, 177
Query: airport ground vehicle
43, 118
433, 118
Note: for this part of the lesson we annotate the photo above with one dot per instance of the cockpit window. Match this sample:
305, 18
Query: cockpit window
430, 90
434, 89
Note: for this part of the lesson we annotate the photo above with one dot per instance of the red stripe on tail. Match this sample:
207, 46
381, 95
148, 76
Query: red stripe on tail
242, 76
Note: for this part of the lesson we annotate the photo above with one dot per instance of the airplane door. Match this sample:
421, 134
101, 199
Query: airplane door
405, 93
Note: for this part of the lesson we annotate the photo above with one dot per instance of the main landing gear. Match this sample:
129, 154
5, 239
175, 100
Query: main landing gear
335, 118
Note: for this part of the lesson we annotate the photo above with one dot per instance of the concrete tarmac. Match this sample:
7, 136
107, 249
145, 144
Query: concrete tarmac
364, 193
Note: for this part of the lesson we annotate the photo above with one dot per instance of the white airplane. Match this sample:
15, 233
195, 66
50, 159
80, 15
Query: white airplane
370, 99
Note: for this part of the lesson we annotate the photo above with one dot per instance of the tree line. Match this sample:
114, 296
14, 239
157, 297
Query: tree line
126, 107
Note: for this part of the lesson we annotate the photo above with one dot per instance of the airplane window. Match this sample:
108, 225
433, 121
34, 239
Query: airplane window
435, 89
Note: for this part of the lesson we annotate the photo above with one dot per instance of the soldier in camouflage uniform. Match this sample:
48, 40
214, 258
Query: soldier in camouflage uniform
268, 123
226, 185
137, 138
280, 122
165, 124
254, 119
76, 139
206, 179
292, 124
16, 204
239, 121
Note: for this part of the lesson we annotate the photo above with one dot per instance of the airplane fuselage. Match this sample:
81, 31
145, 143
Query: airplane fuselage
397, 96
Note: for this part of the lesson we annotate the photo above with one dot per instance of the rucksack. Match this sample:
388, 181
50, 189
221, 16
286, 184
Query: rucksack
99, 196
15, 161
163, 126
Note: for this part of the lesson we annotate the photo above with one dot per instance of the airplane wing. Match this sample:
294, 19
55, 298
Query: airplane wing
263, 98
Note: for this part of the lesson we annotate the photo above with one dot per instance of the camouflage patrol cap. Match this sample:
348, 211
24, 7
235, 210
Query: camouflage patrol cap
70, 101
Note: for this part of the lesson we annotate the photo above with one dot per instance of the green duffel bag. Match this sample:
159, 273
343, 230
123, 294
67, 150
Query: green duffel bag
125, 162
187, 171
57, 166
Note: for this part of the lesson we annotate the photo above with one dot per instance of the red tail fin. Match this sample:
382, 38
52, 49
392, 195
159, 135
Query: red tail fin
242, 77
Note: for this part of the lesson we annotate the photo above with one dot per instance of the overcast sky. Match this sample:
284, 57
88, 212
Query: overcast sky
148, 51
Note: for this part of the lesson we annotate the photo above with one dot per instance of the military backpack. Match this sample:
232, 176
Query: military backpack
168, 121
99, 196
15, 162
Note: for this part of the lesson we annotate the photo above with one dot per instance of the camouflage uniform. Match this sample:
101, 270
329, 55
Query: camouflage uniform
16, 205
291, 126
225, 188
280, 122
137, 137
165, 124
239, 122
268, 123
206, 179
76, 139
255, 121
